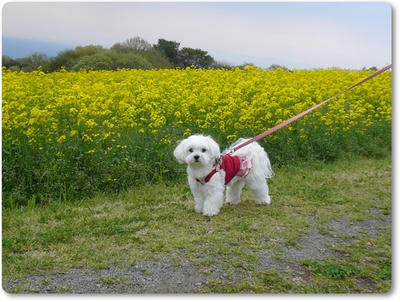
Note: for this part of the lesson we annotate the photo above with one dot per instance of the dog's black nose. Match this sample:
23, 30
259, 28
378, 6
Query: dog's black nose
196, 157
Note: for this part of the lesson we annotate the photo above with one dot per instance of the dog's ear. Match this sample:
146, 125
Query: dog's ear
213, 146
180, 151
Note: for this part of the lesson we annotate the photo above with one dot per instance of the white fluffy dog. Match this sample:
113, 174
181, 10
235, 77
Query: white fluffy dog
208, 171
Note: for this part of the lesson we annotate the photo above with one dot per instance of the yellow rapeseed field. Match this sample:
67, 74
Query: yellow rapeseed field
70, 130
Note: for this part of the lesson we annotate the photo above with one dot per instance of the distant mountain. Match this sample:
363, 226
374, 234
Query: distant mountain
19, 48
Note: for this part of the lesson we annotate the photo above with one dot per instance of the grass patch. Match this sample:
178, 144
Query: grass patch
331, 270
113, 281
149, 222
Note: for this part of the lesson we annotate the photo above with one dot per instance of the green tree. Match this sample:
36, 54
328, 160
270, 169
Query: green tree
69, 58
9, 62
169, 49
276, 66
132, 45
120, 48
29, 63
39, 60
137, 43
195, 57
94, 62
129, 60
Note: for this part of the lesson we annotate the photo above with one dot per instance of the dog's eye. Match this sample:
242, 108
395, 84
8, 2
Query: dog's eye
203, 150
190, 150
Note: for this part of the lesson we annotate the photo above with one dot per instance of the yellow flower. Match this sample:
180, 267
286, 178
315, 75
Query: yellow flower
231, 137
61, 139
87, 138
109, 107
91, 123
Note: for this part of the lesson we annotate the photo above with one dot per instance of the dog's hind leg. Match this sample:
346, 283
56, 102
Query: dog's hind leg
260, 191
233, 192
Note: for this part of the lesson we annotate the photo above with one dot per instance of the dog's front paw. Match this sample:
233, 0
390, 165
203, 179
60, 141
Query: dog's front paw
210, 211
198, 208
266, 200
232, 202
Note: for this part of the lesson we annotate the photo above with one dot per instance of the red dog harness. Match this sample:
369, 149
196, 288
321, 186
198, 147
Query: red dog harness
232, 165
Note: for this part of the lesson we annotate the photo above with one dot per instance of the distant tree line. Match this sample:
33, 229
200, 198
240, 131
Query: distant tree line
133, 53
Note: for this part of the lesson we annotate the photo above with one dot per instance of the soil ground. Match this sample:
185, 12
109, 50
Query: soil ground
168, 276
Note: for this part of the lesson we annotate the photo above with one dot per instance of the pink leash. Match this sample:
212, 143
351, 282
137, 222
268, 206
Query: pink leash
287, 122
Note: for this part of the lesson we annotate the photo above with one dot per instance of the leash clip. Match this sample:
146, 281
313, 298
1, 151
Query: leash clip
228, 151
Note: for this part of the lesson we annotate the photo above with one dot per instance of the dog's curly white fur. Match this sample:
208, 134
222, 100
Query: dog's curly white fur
201, 154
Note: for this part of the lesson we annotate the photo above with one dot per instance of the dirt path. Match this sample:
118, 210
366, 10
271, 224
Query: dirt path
166, 276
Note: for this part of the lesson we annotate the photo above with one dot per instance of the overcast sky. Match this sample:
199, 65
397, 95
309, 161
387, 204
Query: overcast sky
297, 35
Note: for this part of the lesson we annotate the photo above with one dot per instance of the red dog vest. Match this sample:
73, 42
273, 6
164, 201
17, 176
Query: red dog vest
232, 165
